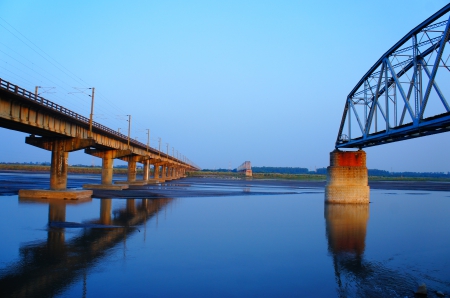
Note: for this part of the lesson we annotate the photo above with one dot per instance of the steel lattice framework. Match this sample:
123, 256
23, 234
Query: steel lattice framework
245, 166
399, 97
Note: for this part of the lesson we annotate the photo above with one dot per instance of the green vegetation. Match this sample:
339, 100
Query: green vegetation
258, 173
304, 174
307, 177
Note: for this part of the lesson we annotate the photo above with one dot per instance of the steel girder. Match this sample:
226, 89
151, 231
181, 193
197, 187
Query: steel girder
403, 95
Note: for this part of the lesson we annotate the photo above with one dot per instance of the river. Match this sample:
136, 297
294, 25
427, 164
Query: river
222, 238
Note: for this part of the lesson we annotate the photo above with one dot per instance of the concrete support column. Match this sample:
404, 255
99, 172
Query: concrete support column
131, 170
59, 166
146, 170
107, 168
347, 178
156, 171
163, 172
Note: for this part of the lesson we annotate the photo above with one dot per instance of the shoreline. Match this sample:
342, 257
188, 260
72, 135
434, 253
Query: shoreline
387, 184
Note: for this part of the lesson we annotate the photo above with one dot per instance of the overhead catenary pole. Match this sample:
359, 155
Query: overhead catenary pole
159, 147
129, 130
92, 112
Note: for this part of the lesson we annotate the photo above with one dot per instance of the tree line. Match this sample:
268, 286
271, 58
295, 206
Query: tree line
323, 171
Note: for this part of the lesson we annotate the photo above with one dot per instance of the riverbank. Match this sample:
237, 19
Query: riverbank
373, 180
305, 177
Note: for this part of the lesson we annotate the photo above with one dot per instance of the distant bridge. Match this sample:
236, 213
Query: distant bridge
55, 128
246, 169
403, 95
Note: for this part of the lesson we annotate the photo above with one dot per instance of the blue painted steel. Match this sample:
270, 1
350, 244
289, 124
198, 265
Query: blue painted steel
396, 81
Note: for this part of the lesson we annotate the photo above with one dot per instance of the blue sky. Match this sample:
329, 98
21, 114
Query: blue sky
220, 81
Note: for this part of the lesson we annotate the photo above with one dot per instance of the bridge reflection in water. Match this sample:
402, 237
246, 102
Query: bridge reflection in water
48, 267
346, 229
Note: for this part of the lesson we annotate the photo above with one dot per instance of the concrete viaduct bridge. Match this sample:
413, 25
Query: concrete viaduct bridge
55, 128
402, 96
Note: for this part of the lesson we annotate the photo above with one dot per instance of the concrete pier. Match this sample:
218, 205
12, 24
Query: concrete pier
157, 173
60, 148
107, 157
347, 178
146, 170
132, 170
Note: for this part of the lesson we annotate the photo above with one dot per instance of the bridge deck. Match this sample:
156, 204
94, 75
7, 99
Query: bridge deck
23, 111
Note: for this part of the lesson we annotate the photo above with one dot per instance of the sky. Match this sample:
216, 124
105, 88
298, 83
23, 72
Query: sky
221, 82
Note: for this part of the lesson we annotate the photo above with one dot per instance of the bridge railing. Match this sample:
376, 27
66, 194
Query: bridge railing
58, 108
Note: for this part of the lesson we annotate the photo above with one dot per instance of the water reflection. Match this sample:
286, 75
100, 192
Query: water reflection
346, 228
48, 267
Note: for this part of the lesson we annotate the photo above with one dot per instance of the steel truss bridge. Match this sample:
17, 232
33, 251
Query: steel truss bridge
403, 95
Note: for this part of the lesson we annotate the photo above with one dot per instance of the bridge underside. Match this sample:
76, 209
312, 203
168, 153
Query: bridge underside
430, 126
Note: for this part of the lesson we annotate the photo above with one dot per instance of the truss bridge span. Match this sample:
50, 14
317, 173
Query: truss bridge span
404, 94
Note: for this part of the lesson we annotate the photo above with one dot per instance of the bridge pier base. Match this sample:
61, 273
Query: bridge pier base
164, 173
347, 178
146, 173
146, 168
169, 176
107, 169
132, 172
60, 148
157, 173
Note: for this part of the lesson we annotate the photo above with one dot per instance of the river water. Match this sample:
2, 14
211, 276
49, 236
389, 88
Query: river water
222, 238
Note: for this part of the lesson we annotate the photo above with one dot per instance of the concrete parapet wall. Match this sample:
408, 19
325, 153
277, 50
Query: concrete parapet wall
347, 178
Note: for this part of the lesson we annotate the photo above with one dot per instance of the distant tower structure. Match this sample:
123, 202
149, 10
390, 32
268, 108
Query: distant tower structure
245, 168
